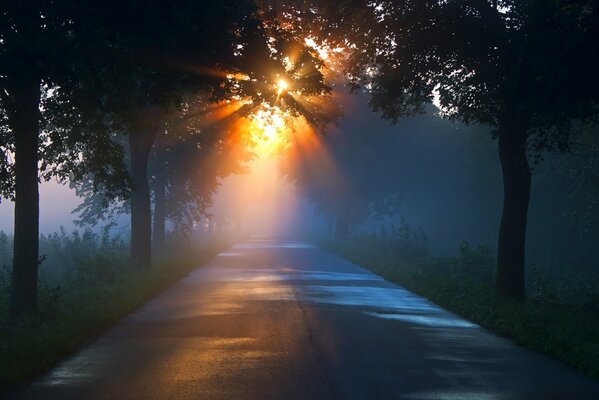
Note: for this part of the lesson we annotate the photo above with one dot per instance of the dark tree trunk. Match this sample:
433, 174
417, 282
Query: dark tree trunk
141, 139
159, 230
512, 232
24, 123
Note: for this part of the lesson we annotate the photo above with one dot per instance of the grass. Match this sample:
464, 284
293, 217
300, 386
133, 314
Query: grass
560, 317
88, 299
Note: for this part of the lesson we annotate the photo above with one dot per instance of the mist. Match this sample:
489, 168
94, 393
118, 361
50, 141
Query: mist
278, 199
440, 176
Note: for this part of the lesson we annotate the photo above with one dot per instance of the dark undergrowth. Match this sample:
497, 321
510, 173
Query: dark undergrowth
87, 285
559, 318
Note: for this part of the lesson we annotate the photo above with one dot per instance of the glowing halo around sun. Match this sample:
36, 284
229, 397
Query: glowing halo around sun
269, 128
266, 127
282, 86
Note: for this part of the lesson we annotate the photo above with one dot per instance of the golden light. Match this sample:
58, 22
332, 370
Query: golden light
282, 86
334, 57
323, 52
269, 130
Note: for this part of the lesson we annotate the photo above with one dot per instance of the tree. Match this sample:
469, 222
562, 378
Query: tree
161, 52
42, 46
187, 162
527, 68
142, 98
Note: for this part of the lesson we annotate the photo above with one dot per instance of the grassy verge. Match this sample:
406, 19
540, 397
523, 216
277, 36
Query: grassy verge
560, 317
86, 301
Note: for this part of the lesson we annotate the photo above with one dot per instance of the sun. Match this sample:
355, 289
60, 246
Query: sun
274, 109
282, 86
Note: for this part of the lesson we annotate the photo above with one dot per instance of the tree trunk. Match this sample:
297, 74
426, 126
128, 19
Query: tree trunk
159, 230
141, 139
24, 123
510, 282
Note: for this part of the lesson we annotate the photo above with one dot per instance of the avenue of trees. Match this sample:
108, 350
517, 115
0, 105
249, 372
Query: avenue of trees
110, 96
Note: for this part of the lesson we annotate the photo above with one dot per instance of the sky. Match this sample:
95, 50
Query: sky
56, 203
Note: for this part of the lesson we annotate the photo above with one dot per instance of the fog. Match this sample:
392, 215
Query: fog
440, 176
57, 202
443, 177
262, 203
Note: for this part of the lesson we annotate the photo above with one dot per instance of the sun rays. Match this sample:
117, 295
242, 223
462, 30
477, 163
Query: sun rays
267, 110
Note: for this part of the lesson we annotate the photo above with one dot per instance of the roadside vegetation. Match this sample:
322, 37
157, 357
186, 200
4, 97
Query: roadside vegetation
86, 284
559, 318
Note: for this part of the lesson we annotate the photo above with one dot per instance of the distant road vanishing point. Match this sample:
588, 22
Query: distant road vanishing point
275, 319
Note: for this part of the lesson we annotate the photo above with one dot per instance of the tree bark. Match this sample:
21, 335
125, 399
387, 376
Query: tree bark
141, 139
25, 125
159, 230
510, 283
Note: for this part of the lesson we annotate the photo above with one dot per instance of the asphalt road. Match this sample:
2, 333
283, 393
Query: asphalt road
284, 320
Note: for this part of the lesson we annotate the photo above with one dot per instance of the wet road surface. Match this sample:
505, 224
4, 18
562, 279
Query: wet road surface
284, 320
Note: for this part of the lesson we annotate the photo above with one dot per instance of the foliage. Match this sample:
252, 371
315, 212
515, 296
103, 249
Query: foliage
237, 56
86, 285
80, 255
155, 55
268, 51
50, 45
485, 59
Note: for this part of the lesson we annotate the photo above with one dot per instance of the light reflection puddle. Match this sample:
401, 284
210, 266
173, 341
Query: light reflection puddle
454, 395
273, 245
275, 275
432, 321
388, 299
389, 303
83, 367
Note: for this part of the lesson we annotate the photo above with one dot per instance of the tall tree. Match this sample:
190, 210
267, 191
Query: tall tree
161, 52
42, 45
527, 68
237, 62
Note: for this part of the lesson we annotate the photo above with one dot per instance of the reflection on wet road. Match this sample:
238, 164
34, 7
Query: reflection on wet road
285, 320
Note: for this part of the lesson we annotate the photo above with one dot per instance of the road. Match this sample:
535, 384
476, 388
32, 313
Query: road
284, 320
